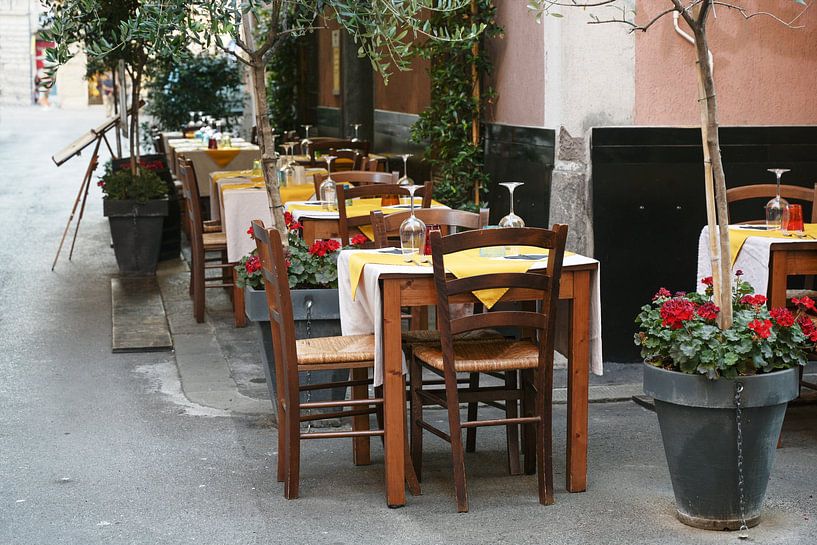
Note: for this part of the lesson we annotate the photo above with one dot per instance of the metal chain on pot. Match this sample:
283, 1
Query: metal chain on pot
743, 533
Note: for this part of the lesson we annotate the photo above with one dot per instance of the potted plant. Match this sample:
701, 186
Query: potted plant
721, 395
136, 206
313, 281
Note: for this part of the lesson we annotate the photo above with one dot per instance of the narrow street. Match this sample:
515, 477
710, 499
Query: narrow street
103, 448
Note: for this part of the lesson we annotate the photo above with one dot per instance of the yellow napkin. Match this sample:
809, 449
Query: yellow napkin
223, 157
359, 259
220, 174
738, 236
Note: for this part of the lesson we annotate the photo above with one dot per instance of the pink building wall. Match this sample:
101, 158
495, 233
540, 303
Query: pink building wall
519, 67
765, 73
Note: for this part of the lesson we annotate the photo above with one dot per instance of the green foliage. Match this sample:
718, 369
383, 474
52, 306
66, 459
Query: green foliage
282, 85
206, 83
123, 185
680, 333
446, 125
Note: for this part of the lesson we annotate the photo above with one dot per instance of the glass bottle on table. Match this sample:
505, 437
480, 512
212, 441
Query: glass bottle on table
329, 193
412, 231
777, 205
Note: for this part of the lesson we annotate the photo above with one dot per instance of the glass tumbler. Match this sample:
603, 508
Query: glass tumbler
793, 219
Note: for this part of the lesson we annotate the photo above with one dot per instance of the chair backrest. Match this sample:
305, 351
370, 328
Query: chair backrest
541, 285
323, 145
373, 165
279, 302
386, 227
766, 191
346, 159
356, 177
371, 191
190, 191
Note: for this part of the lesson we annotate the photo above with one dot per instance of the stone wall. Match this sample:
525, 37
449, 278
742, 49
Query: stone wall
16, 76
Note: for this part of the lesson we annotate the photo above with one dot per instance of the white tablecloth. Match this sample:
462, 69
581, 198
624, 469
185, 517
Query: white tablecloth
240, 207
363, 315
753, 260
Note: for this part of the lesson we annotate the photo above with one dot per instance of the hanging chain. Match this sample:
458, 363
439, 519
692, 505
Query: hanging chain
744, 529
309, 336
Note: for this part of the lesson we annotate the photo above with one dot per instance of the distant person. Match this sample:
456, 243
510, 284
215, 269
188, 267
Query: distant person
107, 93
41, 91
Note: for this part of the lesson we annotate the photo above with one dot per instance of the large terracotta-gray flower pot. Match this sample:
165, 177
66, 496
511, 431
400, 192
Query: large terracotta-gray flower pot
317, 314
697, 417
136, 231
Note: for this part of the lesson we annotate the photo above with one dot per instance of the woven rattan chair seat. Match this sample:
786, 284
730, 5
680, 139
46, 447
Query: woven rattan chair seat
432, 336
327, 350
483, 357
214, 241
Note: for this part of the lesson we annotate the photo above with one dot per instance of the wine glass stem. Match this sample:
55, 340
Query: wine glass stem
411, 202
779, 175
511, 191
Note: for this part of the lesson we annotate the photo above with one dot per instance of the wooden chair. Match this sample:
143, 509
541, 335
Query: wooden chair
532, 354
353, 352
347, 159
356, 177
374, 165
766, 191
206, 237
371, 191
323, 145
386, 227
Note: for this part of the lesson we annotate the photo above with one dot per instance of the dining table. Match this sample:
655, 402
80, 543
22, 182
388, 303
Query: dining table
179, 142
765, 257
372, 302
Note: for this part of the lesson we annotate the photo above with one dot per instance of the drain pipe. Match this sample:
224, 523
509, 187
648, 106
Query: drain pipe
690, 39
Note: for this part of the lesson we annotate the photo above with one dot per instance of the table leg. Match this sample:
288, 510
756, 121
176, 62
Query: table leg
578, 369
394, 397
778, 279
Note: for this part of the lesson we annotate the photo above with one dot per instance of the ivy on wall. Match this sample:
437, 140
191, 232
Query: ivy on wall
450, 126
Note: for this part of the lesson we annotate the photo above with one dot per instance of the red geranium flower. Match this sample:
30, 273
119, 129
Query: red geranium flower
249, 232
754, 300
762, 328
253, 264
783, 317
675, 312
662, 293
708, 311
806, 303
322, 247
739, 272
808, 328
290, 222
707, 281
357, 240
101, 183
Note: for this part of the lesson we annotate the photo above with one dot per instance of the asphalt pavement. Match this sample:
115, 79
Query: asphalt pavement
102, 448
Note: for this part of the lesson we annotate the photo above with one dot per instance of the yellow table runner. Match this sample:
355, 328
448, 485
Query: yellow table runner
223, 157
738, 236
289, 193
220, 174
461, 264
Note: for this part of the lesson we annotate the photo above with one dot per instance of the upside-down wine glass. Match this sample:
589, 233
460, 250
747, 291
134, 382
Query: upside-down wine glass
329, 193
306, 142
412, 230
511, 220
356, 126
405, 180
777, 205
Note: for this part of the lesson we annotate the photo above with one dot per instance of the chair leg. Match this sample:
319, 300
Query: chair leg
239, 317
528, 430
471, 433
282, 442
293, 454
361, 446
544, 435
455, 431
512, 431
416, 415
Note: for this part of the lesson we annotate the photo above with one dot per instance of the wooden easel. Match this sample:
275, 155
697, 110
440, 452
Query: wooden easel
95, 136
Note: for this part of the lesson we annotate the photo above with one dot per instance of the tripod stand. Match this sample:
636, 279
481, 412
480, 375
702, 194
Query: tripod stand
94, 136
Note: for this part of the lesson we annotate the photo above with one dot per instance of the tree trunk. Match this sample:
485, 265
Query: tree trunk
722, 278
134, 121
267, 152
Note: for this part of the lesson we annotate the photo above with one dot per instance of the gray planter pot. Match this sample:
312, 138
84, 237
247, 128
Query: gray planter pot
317, 314
698, 424
136, 231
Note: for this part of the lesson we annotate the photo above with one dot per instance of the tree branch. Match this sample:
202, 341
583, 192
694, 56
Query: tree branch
749, 15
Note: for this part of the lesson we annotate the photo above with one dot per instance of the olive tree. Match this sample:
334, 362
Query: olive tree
137, 32
697, 14
385, 31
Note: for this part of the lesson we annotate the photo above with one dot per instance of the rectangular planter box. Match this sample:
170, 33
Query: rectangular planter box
136, 230
320, 309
